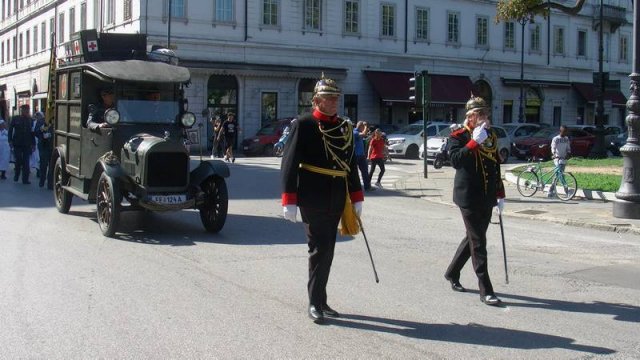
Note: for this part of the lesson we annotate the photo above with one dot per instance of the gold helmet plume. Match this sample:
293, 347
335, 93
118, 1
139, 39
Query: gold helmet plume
326, 86
476, 103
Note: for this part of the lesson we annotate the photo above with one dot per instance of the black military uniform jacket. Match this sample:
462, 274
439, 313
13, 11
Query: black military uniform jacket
477, 181
306, 145
21, 131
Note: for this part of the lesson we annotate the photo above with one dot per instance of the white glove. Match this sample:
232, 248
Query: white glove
500, 206
357, 206
290, 212
480, 134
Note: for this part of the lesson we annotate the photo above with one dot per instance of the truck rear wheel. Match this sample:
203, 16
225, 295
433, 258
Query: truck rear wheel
62, 196
213, 212
108, 203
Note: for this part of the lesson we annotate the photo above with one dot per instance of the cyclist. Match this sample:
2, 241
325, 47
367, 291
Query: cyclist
560, 151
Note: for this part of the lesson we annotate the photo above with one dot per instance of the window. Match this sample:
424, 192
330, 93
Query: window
270, 12
535, 38
177, 8
582, 43
453, 28
351, 106
482, 31
72, 20
312, 15
223, 11
510, 35
269, 107
35, 39
351, 17
83, 16
422, 24
127, 10
558, 40
27, 42
52, 28
14, 48
60, 28
557, 115
43, 35
388, 20
2, 50
20, 46
624, 49
110, 12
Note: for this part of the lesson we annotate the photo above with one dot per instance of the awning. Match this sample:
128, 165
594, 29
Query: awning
137, 70
588, 93
40, 95
445, 89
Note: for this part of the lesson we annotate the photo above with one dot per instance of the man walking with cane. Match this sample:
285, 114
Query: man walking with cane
320, 176
477, 189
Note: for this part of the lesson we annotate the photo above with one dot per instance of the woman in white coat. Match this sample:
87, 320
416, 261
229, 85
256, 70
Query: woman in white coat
34, 159
4, 150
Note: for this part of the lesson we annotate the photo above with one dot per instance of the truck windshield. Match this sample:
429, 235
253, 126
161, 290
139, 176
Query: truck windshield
148, 111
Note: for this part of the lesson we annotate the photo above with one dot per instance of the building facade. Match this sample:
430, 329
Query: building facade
260, 58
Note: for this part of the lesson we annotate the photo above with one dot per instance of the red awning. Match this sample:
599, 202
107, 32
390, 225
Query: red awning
394, 87
588, 93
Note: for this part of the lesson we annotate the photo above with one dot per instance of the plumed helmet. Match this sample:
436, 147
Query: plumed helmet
476, 103
326, 86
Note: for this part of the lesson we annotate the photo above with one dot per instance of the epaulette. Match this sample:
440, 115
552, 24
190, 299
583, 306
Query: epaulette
458, 132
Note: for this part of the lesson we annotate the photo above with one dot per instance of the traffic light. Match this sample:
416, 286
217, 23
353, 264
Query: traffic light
416, 90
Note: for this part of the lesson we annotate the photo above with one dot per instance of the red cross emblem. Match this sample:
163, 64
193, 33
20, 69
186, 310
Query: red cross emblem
92, 45
76, 47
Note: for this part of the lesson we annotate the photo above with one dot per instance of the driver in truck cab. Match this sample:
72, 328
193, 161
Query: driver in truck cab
96, 113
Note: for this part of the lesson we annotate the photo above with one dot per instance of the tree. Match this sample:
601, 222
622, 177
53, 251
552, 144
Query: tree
507, 10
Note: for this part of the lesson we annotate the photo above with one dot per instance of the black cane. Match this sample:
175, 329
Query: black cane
375, 273
504, 250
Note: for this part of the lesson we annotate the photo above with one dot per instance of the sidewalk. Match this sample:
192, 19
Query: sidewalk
595, 213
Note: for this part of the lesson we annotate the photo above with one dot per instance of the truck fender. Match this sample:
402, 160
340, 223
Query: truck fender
208, 168
58, 152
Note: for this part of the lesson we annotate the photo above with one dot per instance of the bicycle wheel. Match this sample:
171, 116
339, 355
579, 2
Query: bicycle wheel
527, 183
566, 186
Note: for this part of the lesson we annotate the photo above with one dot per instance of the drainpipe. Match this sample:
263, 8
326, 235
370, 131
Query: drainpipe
406, 24
246, 20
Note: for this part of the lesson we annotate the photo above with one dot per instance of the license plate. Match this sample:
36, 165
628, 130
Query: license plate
169, 199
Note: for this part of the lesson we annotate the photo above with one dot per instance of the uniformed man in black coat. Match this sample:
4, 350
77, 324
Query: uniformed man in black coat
23, 142
319, 171
477, 189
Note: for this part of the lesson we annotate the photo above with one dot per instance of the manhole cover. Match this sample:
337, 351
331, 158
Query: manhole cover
531, 212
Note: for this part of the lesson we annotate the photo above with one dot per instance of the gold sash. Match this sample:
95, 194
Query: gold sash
349, 220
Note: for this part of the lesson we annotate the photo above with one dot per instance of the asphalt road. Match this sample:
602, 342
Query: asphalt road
166, 289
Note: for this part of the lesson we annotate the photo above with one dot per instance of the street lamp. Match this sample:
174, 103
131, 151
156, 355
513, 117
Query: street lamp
599, 150
628, 203
523, 21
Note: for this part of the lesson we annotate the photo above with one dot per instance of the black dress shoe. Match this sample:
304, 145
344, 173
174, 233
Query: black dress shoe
490, 300
315, 313
329, 312
456, 286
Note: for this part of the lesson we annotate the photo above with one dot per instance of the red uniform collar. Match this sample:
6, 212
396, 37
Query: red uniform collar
324, 117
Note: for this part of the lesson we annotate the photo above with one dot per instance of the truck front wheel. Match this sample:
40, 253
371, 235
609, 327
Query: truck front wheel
108, 202
213, 212
62, 196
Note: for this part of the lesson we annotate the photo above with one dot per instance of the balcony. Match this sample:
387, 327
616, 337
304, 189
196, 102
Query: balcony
616, 16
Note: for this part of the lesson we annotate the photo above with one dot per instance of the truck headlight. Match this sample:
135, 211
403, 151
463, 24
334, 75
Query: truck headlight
188, 119
112, 116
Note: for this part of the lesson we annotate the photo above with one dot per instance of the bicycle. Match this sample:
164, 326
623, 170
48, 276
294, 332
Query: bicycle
534, 178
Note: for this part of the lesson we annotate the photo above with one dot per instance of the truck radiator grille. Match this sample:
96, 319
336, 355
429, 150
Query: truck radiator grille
167, 169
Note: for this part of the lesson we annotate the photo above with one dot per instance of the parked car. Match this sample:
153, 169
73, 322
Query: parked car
539, 144
264, 140
407, 141
435, 144
386, 128
614, 146
520, 131
610, 131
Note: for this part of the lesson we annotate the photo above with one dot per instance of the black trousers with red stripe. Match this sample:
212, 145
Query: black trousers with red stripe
474, 245
321, 229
